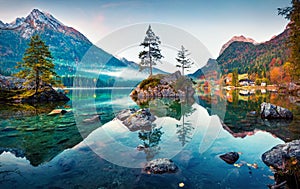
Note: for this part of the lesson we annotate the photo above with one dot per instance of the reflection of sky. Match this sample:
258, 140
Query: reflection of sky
213, 22
114, 142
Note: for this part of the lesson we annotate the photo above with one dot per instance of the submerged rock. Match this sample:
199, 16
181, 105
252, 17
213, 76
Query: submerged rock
230, 157
93, 119
271, 111
58, 111
160, 166
277, 155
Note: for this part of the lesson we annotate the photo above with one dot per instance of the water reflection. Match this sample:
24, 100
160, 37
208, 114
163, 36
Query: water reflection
183, 131
27, 131
242, 117
178, 109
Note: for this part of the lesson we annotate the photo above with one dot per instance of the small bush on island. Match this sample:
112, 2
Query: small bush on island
149, 82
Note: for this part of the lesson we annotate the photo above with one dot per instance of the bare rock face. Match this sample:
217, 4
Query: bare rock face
278, 154
136, 119
236, 38
160, 166
271, 111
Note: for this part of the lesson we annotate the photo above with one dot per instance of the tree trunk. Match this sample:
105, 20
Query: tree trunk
150, 66
37, 81
183, 70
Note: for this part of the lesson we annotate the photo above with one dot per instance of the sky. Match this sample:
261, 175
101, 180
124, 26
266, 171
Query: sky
212, 22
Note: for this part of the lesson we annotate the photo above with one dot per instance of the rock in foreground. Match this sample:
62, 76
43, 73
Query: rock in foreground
271, 111
230, 157
277, 155
160, 166
136, 119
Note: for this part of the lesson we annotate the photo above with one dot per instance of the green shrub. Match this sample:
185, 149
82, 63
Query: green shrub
150, 82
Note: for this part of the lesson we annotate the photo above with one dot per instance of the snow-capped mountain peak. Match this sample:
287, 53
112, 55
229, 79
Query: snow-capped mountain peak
240, 38
36, 17
35, 21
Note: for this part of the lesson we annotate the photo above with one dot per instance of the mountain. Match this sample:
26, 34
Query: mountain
67, 45
237, 38
248, 57
206, 72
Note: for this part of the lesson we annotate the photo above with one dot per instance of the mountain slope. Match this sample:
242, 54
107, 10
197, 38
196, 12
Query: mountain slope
246, 56
67, 45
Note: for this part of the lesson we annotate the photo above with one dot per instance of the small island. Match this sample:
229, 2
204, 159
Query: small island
33, 83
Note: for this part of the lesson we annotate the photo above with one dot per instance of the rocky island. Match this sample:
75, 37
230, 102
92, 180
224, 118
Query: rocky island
164, 85
14, 90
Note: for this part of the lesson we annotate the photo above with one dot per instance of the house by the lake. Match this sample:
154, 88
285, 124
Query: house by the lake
246, 82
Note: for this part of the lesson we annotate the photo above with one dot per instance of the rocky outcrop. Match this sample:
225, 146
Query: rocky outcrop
48, 94
170, 85
277, 156
230, 157
160, 166
271, 111
12, 83
136, 119
12, 87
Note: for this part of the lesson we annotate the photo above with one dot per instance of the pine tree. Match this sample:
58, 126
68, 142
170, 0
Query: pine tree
150, 56
183, 59
293, 13
37, 66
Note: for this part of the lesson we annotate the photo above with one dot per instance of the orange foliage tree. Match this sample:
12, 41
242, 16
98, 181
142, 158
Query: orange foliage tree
276, 75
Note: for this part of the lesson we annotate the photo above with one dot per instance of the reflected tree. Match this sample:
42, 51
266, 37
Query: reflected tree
184, 130
151, 141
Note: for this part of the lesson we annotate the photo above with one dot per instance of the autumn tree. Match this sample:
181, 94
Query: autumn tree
276, 75
152, 54
37, 66
287, 69
293, 14
183, 59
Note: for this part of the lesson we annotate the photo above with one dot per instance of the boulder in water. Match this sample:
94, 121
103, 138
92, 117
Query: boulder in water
271, 111
230, 157
160, 166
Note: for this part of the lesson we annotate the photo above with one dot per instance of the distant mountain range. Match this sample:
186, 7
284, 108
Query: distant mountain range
68, 46
246, 55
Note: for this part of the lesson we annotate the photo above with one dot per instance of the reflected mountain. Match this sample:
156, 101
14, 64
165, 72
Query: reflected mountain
191, 138
28, 131
242, 115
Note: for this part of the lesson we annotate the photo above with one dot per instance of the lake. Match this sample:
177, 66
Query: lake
88, 148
